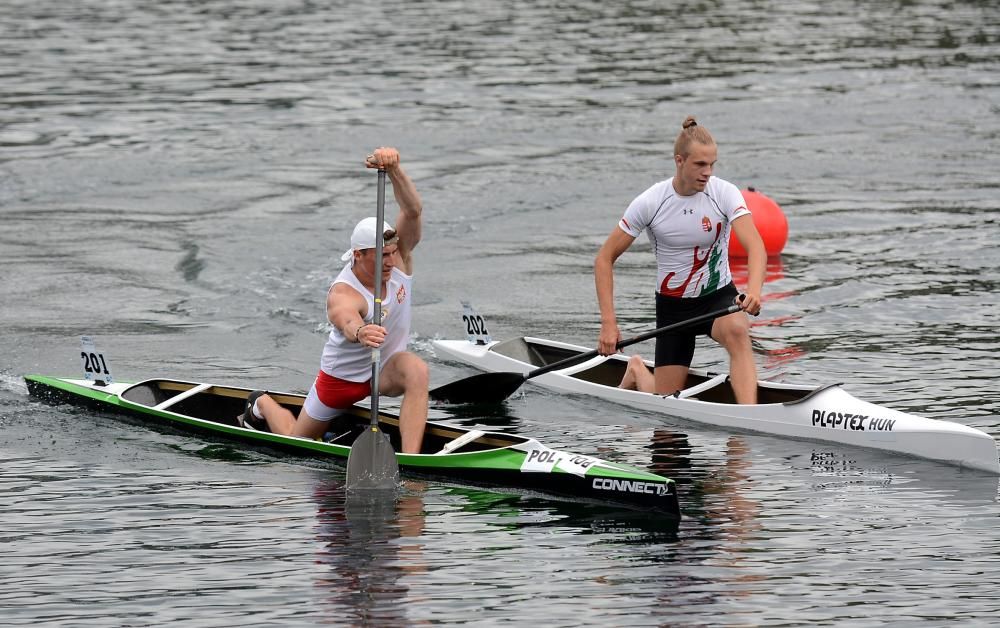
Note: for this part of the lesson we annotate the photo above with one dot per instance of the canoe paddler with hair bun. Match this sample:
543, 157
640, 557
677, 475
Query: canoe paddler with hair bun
688, 218
346, 365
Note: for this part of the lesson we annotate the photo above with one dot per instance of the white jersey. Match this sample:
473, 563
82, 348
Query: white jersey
689, 234
351, 361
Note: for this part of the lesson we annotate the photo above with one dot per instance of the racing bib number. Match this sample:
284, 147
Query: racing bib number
475, 325
95, 365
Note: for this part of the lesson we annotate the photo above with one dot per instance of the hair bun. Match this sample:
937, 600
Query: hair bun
689, 122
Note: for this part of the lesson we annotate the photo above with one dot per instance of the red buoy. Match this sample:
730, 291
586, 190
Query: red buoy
769, 220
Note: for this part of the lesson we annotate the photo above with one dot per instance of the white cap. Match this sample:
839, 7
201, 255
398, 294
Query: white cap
363, 236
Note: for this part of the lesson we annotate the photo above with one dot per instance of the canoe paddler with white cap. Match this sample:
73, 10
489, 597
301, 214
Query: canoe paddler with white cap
345, 367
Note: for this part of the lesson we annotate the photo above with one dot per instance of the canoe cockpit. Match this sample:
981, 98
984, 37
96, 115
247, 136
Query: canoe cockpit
221, 404
702, 386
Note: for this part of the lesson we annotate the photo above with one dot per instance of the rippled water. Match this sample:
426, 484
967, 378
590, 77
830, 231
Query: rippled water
179, 179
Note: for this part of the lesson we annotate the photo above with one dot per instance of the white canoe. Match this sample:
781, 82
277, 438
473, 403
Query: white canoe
826, 413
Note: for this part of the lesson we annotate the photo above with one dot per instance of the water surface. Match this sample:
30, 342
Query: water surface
179, 180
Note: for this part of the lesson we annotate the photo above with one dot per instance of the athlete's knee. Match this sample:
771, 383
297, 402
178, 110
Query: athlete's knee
418, 374
732, 332
410, 370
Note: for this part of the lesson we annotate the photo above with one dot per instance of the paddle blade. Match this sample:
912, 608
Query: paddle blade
372, 462
482, 388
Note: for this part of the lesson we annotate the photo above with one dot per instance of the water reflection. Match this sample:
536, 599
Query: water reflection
710, 492
525, 511
774, 271
713, 494
368, 540
943, 485
373, 544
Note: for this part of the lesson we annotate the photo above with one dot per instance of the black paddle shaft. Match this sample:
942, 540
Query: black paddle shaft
631, 341
377, 315
371, 463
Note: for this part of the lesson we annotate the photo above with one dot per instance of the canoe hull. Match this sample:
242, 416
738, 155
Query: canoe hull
496, 461
828, 414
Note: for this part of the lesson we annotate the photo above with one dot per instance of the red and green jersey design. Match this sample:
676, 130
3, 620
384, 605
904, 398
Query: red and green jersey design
689, 234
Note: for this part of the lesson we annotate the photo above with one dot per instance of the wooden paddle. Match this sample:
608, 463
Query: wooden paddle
495, 387
372, 462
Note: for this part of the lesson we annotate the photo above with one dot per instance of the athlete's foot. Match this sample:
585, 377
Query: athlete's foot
248, 419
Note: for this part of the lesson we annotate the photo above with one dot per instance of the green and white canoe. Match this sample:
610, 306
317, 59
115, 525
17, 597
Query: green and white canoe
450, 453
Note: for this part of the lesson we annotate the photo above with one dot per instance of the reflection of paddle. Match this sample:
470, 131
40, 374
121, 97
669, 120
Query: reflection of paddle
495, 387
372, 462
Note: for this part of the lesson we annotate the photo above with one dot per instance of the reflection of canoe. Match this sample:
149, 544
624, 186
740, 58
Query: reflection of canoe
827, 413
458, 454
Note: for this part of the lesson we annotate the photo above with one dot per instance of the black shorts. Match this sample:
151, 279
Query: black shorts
676, 348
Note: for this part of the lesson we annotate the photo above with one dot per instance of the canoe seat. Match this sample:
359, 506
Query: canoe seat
464, 439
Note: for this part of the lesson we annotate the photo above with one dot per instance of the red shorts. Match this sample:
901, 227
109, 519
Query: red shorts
340, 393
